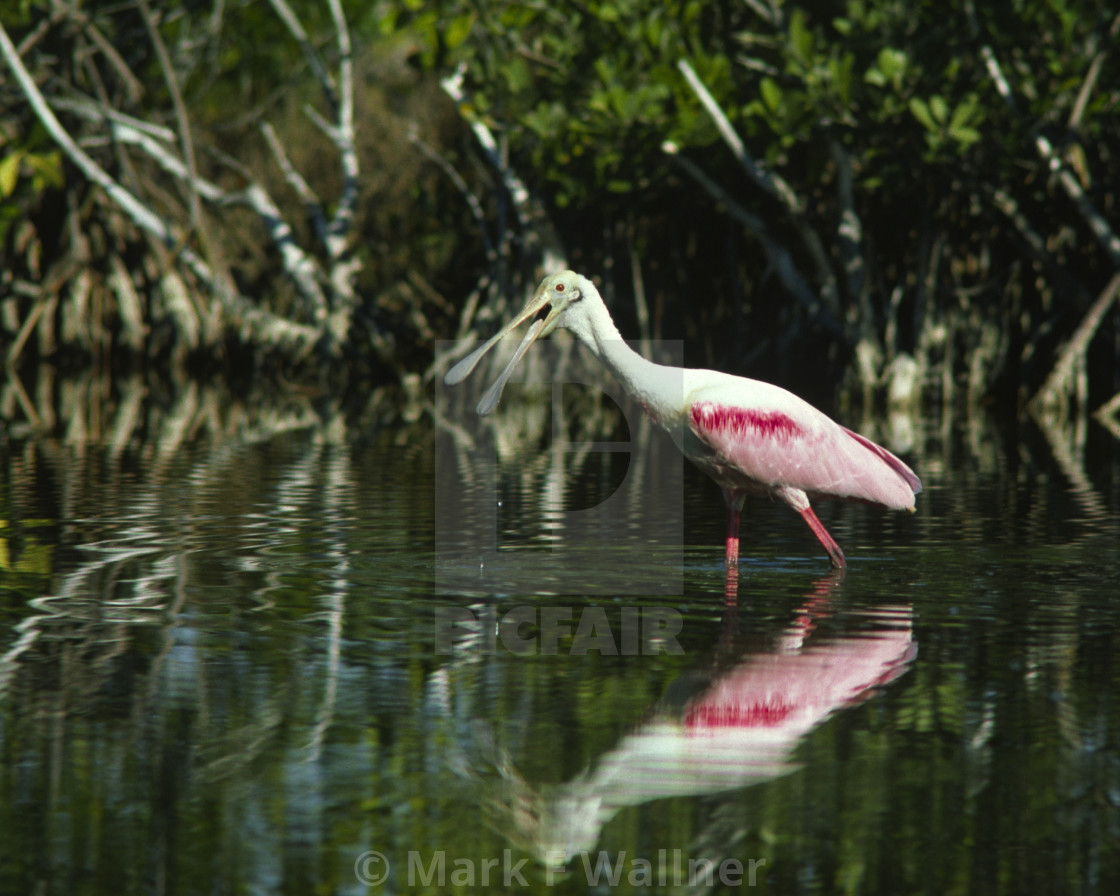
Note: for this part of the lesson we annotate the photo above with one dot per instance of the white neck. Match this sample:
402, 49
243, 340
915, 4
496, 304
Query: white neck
659, 389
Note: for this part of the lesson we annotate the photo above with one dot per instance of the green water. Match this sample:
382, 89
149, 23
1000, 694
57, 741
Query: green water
222, 670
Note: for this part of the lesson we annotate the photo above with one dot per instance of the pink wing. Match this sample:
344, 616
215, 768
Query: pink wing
911, 479
797, 446
798, 689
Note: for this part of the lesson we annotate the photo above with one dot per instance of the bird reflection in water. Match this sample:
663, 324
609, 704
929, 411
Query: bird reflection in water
732, 722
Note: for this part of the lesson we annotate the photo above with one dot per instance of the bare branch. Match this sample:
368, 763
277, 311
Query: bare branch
773, 185
93, 111
299, 265
268, 327
131, 83
337, 232
284, 11
25, 331
186, 141
141, 215
453, 86
1096, 222
851, 228
128, 303
1091, 77
1052, 398
767, 181
456, 178
311, 202
342, 224
533, 222
777, 254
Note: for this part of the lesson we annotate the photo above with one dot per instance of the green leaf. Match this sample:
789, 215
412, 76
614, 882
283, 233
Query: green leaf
545, 119
47, 167
608, 12
517, 74
458, 30
939, 108
963, 114
920, 110
9, 173
840, 71
771, 94
800, 37
892, 63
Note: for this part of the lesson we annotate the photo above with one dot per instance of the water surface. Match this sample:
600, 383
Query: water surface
222, 669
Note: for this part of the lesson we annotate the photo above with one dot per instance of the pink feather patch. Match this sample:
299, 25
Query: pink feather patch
738, 715
740, 421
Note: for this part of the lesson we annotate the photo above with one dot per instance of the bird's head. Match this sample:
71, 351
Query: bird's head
558, 300
556, 303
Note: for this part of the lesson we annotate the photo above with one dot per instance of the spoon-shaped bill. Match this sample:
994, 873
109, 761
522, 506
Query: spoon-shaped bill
490, 399
463, 369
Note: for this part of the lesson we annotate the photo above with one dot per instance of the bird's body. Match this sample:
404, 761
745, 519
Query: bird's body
749, 436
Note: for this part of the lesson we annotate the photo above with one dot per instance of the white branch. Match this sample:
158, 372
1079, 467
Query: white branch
453, 86
296, 181
342, 224
773, 185
300, 266
337, 233
1072, 186
850, 230
777, 254
767, 181
461, 185
271, 328
1060, 383
140, 214
531, 219
284, 11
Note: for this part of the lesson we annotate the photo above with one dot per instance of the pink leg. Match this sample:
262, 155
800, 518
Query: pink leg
732, 555
731, 587
834, 553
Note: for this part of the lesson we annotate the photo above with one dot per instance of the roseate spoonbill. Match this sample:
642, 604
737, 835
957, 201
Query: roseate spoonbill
751, 437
